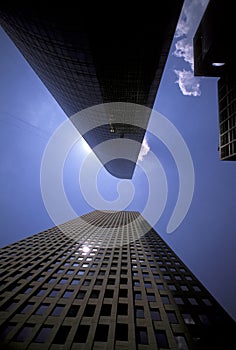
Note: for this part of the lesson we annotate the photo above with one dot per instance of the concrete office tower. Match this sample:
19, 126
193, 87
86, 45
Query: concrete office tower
105, 280
215, 56
94, 54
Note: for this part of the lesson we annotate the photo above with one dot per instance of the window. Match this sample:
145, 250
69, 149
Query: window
178, 300
86, 282
137, 295
61, 335
141, 335
63, 281
171, 287
148, 284
80, 272
193, 301
161, 339
68, 294
95, 294
57, 310
196, 288
121, 332
43, 334
25, 308
54, 293
122, 309
184, 288
69, 272
204, 319
101, 333
172, 317
80, 294
51, 280
151, 297
188, 319
160, 286
89, 310
165, 299
109, 293
112, 272
181, 342
6, 329
139, 311
73, 310
41, 292
111, 281
136, 283
81, 334
75, 281
123, 280
155, 314
24, 333
98, 281
123, 293
207, 302
106, 310
42, 309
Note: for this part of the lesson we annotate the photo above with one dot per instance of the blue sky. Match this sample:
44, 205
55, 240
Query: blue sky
205, 239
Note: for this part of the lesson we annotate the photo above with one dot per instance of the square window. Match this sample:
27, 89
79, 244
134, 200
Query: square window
181, 342
41, 292
57, 310
43, 334
73, 310
95, 294
62, 335
139, 312
165, 299
89, 310
193, 301
75, 281
81, 334
68, 294
178, 300
122, 309
86, 282
54, 293
63, 281
81, 294
137, 295
24, 333
25, 308
106, 310
101, 333
111, 281
123, 293
141, 335
99, 281
188, 319
161, 339
42, 309
172, 317
121, 332
155, 314
151, 297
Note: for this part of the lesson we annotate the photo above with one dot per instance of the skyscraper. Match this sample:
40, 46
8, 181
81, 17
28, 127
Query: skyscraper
214, 56
105, 280
95, 54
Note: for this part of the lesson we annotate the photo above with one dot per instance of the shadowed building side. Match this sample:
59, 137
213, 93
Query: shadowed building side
87, 57
215, 56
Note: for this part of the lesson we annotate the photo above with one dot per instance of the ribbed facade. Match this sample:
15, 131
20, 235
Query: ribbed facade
95, 55
93, 284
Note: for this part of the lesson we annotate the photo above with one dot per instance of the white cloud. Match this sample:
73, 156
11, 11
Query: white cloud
188, 83
144, 150
189, 20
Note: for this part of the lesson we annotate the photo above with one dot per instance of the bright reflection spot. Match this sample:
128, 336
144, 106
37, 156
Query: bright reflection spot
218, 64
86, 249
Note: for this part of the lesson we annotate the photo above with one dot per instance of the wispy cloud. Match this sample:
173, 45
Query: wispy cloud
144, 150
189, 20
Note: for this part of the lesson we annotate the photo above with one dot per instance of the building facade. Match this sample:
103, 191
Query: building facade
105, 280
97, 54
214, 56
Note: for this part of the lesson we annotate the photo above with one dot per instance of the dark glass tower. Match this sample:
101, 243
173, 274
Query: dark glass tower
215, 56
105, 280
96, 54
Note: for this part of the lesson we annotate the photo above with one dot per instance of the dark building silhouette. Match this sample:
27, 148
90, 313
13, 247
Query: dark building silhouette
215, 56
105, 280
94, 54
